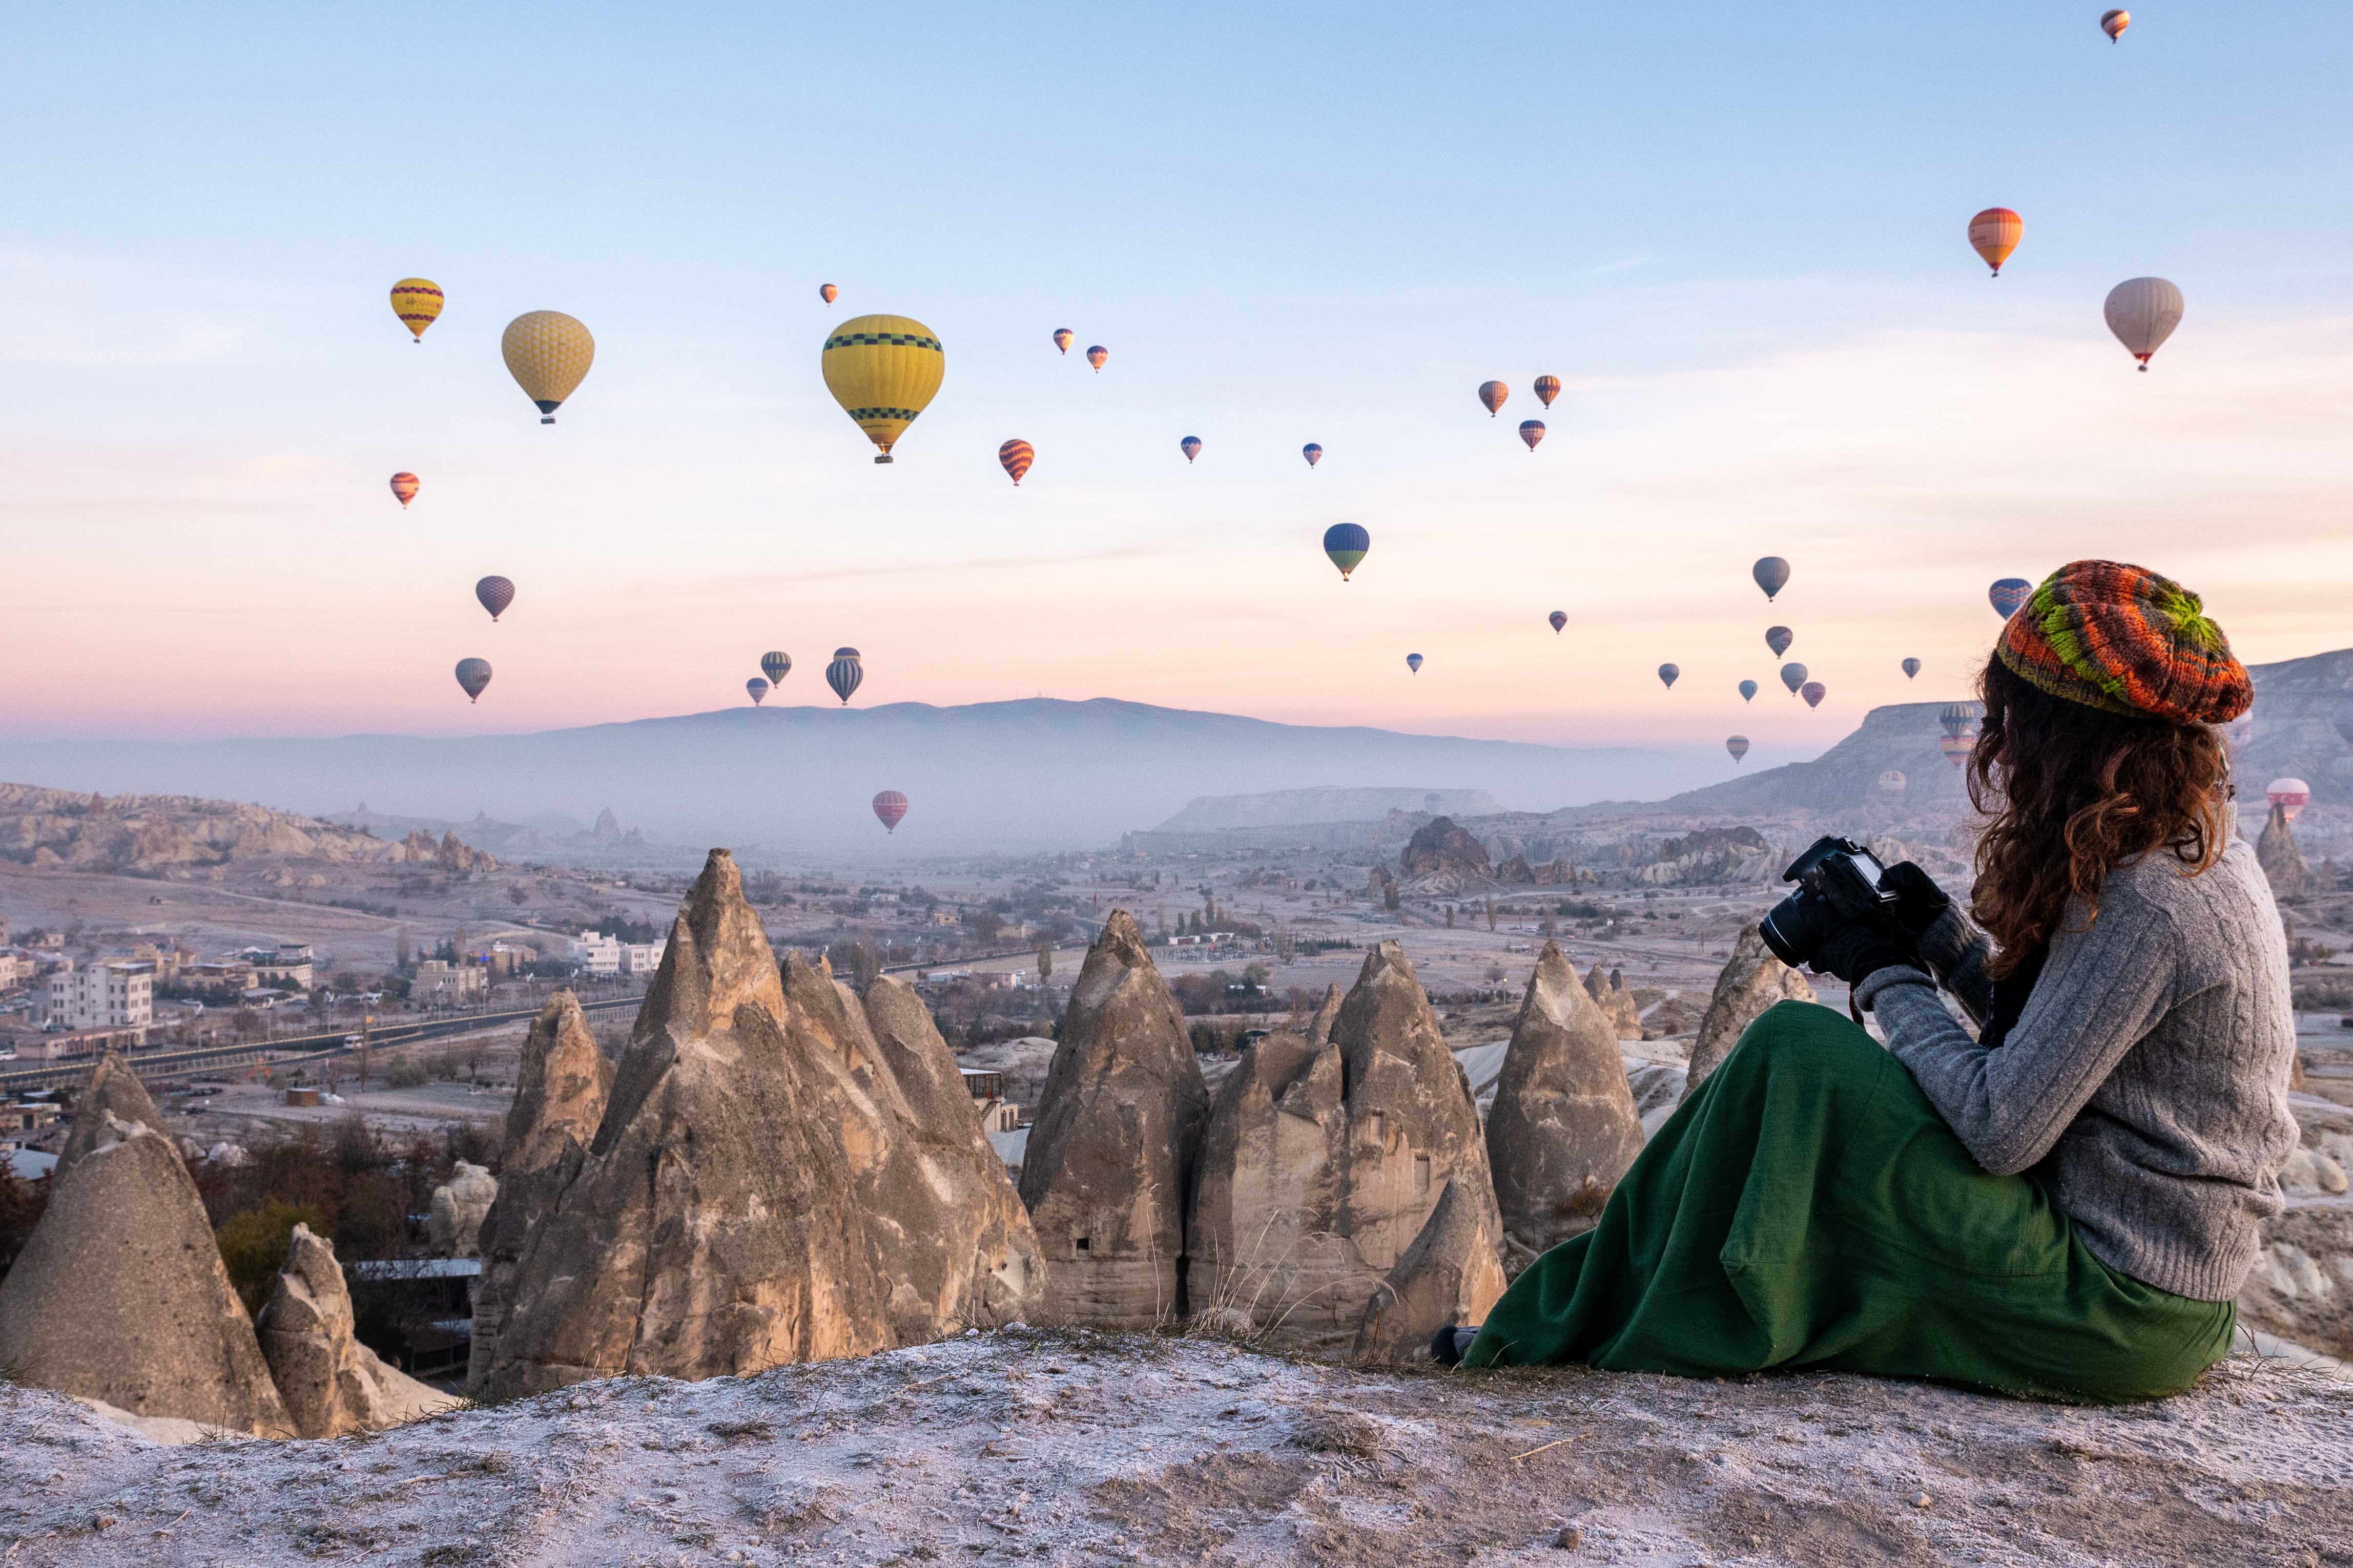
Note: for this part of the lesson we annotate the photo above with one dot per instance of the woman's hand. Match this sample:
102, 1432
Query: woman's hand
1919, 902
1854, 951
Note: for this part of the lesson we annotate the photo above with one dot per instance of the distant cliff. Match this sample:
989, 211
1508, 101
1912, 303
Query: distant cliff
155, 835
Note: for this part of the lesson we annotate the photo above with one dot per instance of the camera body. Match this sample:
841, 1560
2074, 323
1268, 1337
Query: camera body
1839, 882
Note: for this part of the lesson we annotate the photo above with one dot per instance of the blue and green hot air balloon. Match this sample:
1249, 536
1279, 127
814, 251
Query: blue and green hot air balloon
1347, 545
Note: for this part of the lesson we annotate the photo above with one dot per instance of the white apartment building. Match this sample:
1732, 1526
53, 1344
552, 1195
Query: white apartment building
102, 996
643, 957
439, 985
594, 952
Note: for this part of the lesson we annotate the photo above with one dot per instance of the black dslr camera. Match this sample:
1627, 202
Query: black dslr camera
1839, 882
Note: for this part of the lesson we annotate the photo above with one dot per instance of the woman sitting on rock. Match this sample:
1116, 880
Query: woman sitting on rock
2063, 1206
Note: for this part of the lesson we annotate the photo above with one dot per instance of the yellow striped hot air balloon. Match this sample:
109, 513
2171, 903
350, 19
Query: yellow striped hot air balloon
548, 353
1994, 234
883, 370
417, 302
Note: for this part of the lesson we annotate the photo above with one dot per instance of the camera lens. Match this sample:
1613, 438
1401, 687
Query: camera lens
1796, 927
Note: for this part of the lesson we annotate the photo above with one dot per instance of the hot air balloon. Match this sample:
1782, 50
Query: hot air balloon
1096, 354
1892, 783
883, 370
890, 809
1994, 233
1813, 691
404, 488
1779, 640
1667, 674
1793, 676
2114, 23
828, 292
1911, 668
758, 687
1748, 691
1559, 618
1191, 447
1772, 575
1413, 662
1346, 543
2007, 593
1738, 746
1062, 336
1491, 393
495, 594
1957, 749
417, 302
1547, 388
1957, 718
473, 675
2288, 796
548, 353
2143, 312
1017, 456
1312, 453
844, 673
775, 665
1532, 431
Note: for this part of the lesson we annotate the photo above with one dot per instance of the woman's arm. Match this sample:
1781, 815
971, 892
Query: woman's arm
2104, 987
1958, 951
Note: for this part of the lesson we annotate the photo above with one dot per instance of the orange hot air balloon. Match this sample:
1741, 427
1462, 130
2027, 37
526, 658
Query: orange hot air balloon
2114, 23
404, 488
828, 292
1062, 339
1491, 393
1993, 233
1547, 388
1017, 456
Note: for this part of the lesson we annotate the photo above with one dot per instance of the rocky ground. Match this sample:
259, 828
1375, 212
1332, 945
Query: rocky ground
1074, 1448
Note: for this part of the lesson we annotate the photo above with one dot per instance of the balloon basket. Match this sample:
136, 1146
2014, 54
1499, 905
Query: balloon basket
883, 458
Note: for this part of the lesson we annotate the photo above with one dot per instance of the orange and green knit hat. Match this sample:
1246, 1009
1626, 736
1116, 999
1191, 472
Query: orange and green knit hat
2125, 640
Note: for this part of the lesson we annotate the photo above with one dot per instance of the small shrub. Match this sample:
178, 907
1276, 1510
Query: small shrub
404, 1072
254, 1245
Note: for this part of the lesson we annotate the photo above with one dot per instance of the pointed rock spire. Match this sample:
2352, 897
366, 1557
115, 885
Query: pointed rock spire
1110, 1157
112, 1090
1750, 982
120, 1296
1448, 1277
1319, 1027
331, 1383
1562, 1127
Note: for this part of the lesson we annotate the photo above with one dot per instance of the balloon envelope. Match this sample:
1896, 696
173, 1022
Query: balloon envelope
1096, 356
1491, 393
548, 353
1779, 640
884, 370
2114, 23
1667, 674
1547, 388
404, 488
1413, 662
1748, 691
777, 665
758, 687
1793, 676
828, 292
845, 672
473, 675
495, 594
1191, 447
1955, 749
1994, 234
1911, 668
1772, 575
2143, 312
1063, 337
1957, 718
1017, 456
1532, 431
1813, 691
2291, 796
1347, 545
1892, 783
1737, 745
417, 302
890, 809
1312, 453
1559, 618
2007, 593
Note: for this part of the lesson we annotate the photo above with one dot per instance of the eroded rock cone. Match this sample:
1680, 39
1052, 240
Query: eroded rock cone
1319, 1027
112, 1090
1448, 1276
1563, 1126
120, 1295
2281, 861
332, 1384
459, 1205
1751, 981
560, 1093
714, 1227
1110, 1157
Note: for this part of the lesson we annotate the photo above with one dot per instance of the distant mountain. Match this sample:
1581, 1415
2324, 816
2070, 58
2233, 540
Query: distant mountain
1299, 807
1030, 774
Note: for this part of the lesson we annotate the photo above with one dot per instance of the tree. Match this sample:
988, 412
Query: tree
1449, 917
1491, 914
1388, 895
518, 895
1045, 962
400, 949
1549, 928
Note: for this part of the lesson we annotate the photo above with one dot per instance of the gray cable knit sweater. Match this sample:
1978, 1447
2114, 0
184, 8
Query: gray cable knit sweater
2146, 1083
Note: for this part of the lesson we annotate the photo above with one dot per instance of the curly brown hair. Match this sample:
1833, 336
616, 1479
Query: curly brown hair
2071, 791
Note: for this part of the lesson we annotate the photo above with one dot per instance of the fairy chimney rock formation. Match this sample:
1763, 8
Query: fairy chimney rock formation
1609, 992
1562, 1127
1752, 981
560, 1093
2282, 862
331, 1383
120, 1295
1439, 848
1448, 1277
1319, 1027
459, 1205
1110, 1157
112, 1089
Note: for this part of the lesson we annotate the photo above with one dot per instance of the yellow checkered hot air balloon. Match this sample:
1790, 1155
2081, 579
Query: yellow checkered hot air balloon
548, 353
417, 302
883, 370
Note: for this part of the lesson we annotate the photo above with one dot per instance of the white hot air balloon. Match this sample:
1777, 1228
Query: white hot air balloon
2143, 312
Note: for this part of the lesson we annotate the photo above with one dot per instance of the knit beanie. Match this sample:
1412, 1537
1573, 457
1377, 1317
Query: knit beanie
2125, 640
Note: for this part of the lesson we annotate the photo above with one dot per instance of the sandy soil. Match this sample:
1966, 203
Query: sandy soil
1071, 1449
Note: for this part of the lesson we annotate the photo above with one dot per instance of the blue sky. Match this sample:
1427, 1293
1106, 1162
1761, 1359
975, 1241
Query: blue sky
1736, 234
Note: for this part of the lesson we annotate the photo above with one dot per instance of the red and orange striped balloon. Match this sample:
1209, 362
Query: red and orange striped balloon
1491, 393
1994, 234
1017, 456
404, 488
1547, 388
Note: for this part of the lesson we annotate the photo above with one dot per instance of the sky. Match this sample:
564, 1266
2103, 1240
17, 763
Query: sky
1736, 234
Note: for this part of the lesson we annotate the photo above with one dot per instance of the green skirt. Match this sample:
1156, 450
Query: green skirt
1808, 1208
